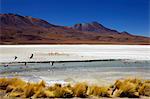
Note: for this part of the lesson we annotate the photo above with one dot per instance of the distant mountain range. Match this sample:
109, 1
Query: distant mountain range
17, 29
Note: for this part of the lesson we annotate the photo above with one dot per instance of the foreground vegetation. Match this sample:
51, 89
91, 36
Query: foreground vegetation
15, 87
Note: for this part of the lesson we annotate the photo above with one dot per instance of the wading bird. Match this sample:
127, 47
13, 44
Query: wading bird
31, 56
52, 63
6, 65
15, 57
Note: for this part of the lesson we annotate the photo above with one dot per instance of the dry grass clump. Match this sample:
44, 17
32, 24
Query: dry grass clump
135, 81
12, 86
145, 89
34, 89
16, 82
60, 91
63, 93
29, 90
98, 91
4, 82
80, 90
10, 83
127, 88
147, 81
132, 88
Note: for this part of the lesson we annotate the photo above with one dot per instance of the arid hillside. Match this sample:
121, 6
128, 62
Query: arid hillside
17, 29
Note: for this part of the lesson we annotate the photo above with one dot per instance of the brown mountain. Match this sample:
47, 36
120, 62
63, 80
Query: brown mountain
93, 27
17, 29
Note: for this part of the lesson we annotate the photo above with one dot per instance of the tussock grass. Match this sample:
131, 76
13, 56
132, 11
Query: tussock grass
147, 81
29, 90
4, 82
131, 87
145, 89
60, 91
49, 94
98, 91
127, 89
80, 90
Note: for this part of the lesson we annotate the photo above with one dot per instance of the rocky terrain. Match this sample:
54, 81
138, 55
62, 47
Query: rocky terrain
17, 29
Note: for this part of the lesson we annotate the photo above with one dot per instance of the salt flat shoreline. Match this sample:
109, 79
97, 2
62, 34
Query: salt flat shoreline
48, 53
69, 61
56, 45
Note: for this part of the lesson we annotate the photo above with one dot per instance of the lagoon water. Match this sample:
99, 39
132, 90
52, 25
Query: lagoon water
97, 72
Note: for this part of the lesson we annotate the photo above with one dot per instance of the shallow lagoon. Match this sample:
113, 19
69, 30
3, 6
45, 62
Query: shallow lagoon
97, 72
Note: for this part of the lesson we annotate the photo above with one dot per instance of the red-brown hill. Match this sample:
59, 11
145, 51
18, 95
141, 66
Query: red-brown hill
17, 29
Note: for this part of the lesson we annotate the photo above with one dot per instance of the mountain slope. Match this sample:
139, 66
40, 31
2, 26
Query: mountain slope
17, 29
93, 27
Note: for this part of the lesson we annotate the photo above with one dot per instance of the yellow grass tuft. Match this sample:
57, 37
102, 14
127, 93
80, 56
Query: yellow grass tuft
126, 88
98, 91
63, 93
131, 87
118, 84
39, 86
80, 90
15, 94
53, 88
60, 92
42, 83
147, 81
16, 82
145, 89
4, 82
49, 94
29, 90
40, 94
10, 88
133, 80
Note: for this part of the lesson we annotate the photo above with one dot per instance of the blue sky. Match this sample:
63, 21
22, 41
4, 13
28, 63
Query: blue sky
123, 15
